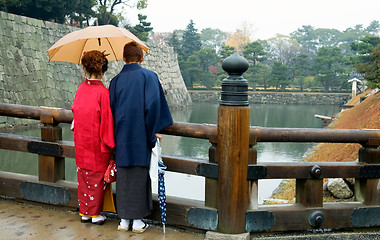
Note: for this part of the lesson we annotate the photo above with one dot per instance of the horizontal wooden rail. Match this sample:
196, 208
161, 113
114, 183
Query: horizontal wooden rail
312, 170
20, 111
362, 136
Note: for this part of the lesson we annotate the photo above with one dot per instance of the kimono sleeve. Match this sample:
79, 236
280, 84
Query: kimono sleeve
112, 94
106, 124
156, 110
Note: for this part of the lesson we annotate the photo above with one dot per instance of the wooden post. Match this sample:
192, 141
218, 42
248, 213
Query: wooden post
50, 169
233, 146
211, 185
309, 192
253, 186
366, 189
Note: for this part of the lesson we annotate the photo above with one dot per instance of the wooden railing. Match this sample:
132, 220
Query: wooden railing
221, 196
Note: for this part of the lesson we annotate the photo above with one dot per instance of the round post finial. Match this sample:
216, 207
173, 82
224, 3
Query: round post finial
234, 87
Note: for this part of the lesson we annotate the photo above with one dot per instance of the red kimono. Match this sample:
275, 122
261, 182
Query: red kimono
94, 141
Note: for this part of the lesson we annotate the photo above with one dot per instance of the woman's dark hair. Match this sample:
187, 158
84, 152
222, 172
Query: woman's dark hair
95, 62
133, 52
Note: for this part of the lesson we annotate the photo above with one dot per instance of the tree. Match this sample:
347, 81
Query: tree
191, 40
191, 44
329, 67
371, 69
301, 69
284, 49
213, 38
47, 10
105, 10
175, 40
238, 40
279, 75
258, 74
83, 12
373, 28
226, 51
326, 37
142, 29
254, 52
199, 67
364, 46
305, 36
367, 59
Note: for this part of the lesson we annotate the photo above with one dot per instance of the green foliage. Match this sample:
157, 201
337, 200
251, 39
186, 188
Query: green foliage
83, 11
301, 69
48, 10
373, 28
258, 71
306, 37
191, 40
254, 52
283, 49
199, 68
142, 29
367, 60
279, 75
213, 38
174, 40
190, 44
105, 11
330, 67
364, 47
226, 51
258, 74
312, 39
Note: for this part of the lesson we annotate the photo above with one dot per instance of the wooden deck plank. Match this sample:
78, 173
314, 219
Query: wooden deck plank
32, 222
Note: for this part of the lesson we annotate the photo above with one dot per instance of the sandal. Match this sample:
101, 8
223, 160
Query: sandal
141, 230
85, 219
99, 222
120, 228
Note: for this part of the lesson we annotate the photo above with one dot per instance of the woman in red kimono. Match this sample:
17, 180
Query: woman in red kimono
93, 137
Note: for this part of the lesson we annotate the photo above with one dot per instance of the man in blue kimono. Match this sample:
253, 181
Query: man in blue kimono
140, 111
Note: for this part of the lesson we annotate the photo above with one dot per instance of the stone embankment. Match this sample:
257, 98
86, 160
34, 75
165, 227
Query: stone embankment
277, 98
28, 78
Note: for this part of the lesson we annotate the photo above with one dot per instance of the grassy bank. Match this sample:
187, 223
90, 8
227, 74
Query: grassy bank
363, 115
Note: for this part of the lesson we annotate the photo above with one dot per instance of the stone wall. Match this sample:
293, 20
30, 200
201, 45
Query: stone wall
28, 78
278, 98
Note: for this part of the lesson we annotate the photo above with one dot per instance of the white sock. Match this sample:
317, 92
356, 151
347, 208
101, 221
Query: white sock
124, 223
137, 224
98, 218
85, 218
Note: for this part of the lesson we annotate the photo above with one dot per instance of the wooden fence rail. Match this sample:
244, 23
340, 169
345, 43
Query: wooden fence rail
309, 211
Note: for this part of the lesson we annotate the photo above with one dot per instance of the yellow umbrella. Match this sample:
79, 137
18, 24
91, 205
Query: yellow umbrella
108, 38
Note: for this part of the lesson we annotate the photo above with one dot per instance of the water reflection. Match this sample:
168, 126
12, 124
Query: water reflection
289, 116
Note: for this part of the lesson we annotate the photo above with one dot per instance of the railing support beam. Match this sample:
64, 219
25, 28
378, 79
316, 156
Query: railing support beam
50, 169
367, 188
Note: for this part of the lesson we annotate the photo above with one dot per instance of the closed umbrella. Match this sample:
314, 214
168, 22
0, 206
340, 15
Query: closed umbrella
157, 172
106, 38
161, 189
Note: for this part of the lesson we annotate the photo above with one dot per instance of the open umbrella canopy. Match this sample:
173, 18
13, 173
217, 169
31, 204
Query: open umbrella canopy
108, 38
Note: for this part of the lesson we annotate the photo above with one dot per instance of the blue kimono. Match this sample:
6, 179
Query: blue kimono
139, 110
